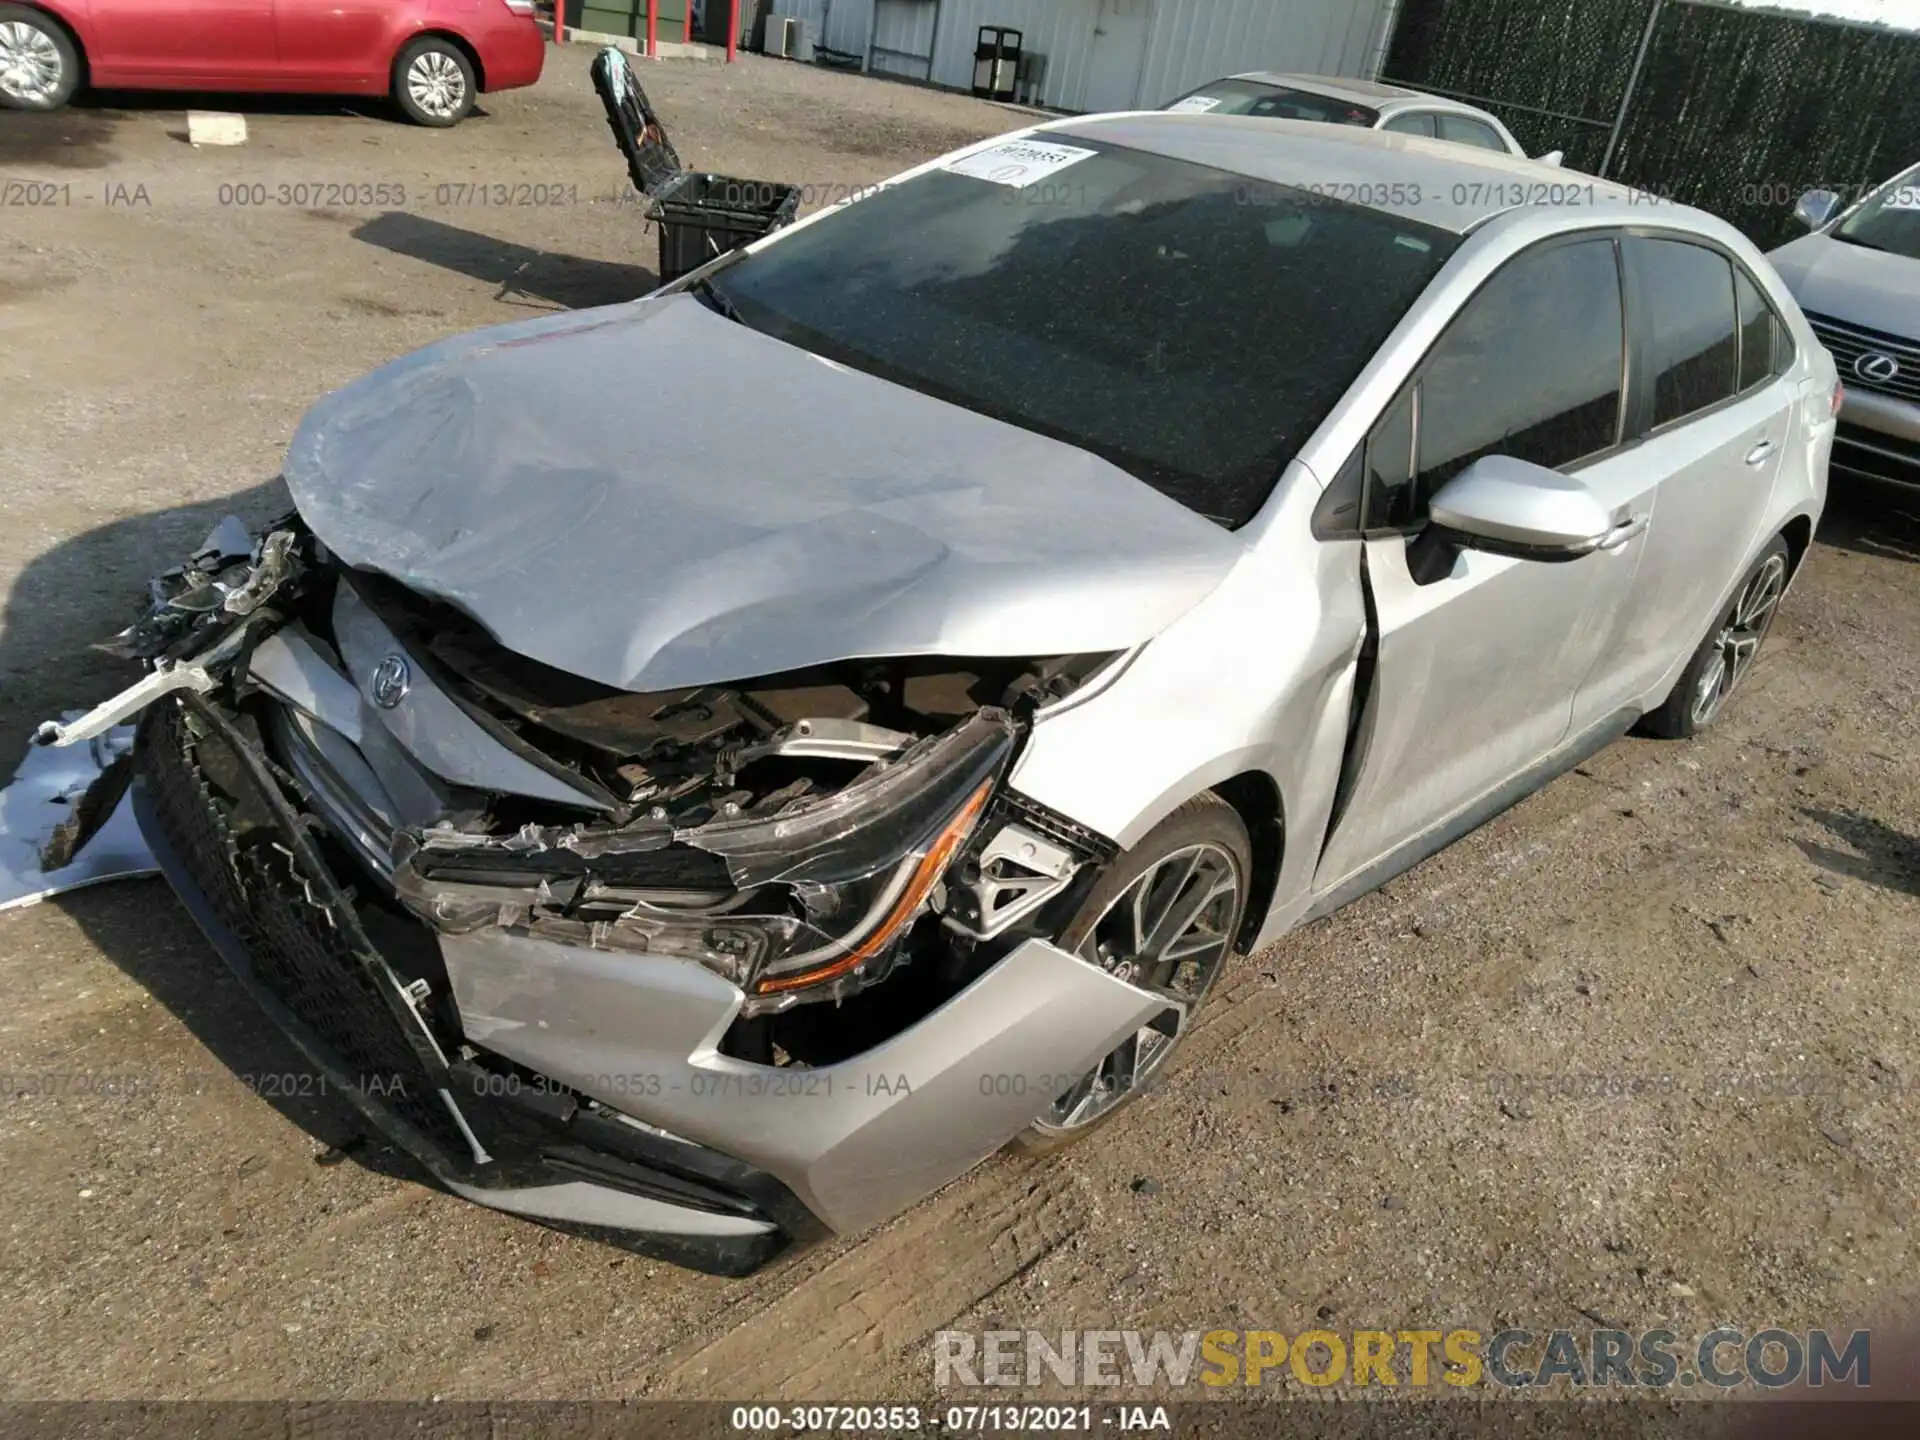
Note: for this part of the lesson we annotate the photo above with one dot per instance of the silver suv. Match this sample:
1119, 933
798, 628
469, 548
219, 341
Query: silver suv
1858, 279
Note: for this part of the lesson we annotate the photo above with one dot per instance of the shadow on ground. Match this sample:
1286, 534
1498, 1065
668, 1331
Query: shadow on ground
89, 587
1881, 855
246, 102
65, 601
1871, 518
565, 282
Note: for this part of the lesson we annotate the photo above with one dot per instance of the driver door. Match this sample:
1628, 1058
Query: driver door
1474, 672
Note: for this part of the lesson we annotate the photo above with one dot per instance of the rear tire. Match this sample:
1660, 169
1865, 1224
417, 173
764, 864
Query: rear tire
1201, 849
39, 63
1725, 658
434, 83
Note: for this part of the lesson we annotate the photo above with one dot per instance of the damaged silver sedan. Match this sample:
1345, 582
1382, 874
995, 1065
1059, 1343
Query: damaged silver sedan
709, 771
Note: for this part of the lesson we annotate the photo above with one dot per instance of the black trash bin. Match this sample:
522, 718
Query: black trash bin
700, 216
996, 63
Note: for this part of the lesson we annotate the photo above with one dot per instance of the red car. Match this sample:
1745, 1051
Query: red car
431, 56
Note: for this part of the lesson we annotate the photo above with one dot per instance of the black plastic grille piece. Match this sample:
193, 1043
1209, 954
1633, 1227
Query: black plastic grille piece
254, 884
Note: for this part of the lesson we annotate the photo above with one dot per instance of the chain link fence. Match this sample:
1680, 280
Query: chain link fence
1734, 110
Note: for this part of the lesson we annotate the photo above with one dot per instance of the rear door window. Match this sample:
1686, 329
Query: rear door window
1272, 102
1762, 353
1465, 130
1686, 291
1531, 367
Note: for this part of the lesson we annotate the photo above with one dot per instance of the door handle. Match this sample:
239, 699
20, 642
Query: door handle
1760, 452
1632, 528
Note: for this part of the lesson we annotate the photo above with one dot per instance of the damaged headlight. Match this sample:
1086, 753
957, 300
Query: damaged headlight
807, 904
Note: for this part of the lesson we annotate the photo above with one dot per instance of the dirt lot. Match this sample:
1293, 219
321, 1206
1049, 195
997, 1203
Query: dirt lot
1698, 958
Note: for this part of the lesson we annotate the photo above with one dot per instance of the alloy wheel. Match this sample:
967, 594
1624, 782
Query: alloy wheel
436, 84
30, 68
1738, 642
1169, 933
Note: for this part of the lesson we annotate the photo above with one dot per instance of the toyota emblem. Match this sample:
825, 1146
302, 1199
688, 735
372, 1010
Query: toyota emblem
389, 683
1876, 367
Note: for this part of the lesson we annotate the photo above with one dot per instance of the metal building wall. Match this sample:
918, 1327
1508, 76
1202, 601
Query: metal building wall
1188, 41
845, 21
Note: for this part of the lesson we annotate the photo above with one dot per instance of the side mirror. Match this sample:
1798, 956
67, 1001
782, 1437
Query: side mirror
1816, 208
1553, 157
1503, 506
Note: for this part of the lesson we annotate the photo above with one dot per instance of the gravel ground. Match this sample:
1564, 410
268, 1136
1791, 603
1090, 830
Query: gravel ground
1698, 959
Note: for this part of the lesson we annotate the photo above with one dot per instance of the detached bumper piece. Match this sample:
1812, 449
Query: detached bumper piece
253, 873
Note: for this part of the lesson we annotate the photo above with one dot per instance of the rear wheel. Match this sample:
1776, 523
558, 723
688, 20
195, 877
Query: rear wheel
39, 66
434, 83
1726, 656
1164, 919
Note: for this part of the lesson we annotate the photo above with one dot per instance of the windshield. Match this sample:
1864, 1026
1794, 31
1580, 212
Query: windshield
1187, 324
1890, 220
1273, 102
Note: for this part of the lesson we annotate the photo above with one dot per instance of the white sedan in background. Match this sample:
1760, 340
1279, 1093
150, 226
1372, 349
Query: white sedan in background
1332, 100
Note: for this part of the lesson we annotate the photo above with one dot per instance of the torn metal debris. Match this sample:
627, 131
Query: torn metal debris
65, 822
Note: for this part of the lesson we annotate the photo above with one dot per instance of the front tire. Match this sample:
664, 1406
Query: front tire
1726, 656
434, 83
39, 64
1165, 917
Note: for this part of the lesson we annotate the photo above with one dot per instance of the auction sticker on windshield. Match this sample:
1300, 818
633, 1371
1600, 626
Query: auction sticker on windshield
1195, 105
1020, 163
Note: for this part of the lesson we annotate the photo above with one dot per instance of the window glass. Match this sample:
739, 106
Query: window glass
1187, 324
1759, 346
1417, 122
1687, 292
1389, 495
1889, 221
1531, 368
1463, 130
1272, 102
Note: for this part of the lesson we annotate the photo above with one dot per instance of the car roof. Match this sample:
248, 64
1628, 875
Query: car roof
1435, 182
1375, 94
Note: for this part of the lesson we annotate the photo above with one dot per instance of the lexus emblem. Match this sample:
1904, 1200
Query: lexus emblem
1877, 367
389, 683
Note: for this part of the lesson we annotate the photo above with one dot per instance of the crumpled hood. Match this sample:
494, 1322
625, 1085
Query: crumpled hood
653, 497
1852, 284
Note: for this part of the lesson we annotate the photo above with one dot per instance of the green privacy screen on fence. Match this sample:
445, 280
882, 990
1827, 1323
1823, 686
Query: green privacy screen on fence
1731, 109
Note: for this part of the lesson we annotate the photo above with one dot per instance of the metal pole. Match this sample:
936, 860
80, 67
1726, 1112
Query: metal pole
1633, 84
733, 29
653, 30
1377, 61
686, 27
559, 22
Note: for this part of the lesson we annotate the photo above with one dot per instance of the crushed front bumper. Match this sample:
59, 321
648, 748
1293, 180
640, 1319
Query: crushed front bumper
584, 1087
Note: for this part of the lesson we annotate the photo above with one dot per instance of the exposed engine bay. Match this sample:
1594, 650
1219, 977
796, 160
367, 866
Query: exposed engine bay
806, 836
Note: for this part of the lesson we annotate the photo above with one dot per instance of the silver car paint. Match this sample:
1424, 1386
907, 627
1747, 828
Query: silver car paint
581, 1203
504, 472
858, 1141
431, 727
1245, 649
1388, 100
1422, 773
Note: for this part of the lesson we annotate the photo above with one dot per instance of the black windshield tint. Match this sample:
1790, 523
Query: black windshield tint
1187, 324
1274, 102
1890, 220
